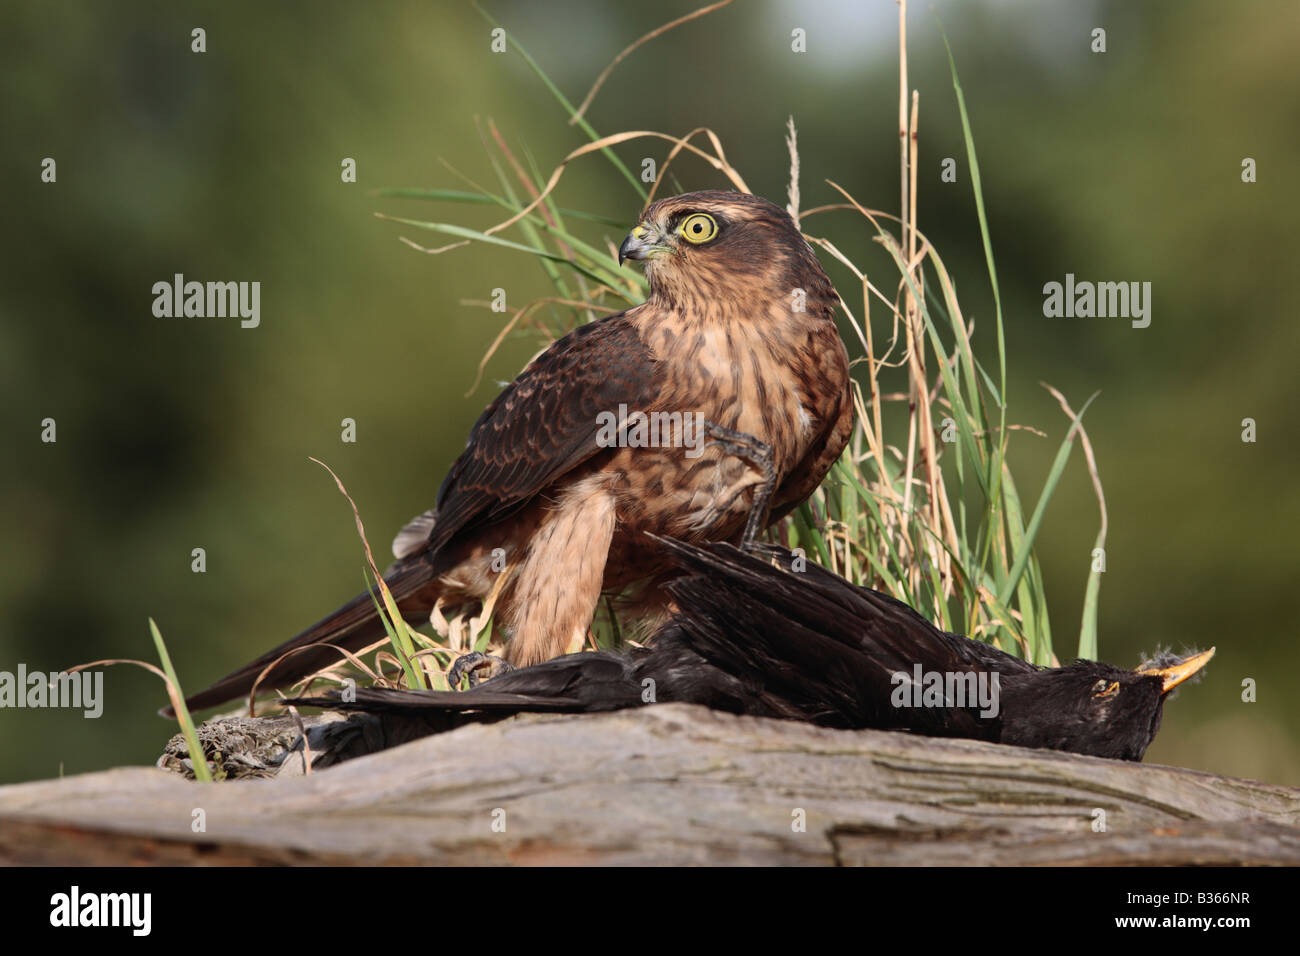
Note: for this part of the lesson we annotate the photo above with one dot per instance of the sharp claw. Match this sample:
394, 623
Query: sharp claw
468, 665
758, 455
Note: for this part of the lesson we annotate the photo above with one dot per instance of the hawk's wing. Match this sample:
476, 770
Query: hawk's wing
541, 426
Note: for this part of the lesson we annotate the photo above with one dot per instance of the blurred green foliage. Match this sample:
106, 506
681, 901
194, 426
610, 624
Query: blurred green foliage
182, 433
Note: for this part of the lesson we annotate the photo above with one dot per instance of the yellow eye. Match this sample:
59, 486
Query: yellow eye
698, 227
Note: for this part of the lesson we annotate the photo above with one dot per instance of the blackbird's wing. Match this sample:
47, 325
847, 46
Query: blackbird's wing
896, 631
826, 646
844, 612
541, 426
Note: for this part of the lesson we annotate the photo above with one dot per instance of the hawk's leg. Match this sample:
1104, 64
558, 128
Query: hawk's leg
758, 455
473, 662
558, 584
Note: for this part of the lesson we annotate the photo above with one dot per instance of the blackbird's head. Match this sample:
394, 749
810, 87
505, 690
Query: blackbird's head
719, 248
1093, 708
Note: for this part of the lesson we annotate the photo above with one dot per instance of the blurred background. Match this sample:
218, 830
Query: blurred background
175, 434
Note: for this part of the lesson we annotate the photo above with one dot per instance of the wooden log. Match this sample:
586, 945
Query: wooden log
668, 784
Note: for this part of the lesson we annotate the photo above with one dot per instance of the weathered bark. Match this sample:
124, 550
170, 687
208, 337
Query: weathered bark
668, 784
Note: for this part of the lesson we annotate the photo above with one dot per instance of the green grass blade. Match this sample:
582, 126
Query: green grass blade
995, 466
568, 107
399, 636
463, 196
197, 758
595, 274
1049, 487
1091, 596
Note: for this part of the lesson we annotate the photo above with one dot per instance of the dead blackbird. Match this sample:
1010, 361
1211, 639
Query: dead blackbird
752, 638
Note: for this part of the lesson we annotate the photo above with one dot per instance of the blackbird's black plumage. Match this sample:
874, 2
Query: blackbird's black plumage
752, 638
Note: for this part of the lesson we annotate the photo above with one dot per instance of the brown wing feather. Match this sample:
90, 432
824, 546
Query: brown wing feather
544, 424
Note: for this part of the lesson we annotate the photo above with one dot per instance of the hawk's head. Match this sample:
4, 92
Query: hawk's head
718, 244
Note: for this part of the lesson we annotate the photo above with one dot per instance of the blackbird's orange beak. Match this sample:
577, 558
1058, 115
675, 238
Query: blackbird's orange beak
1174, 674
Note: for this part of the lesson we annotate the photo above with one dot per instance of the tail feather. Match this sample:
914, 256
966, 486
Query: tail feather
352, 627
575, 683
402, 701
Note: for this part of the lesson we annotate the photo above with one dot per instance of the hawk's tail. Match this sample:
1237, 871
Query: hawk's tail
351, 627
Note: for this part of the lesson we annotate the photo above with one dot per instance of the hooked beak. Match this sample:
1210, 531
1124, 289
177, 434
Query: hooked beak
1174, 674
639, 244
